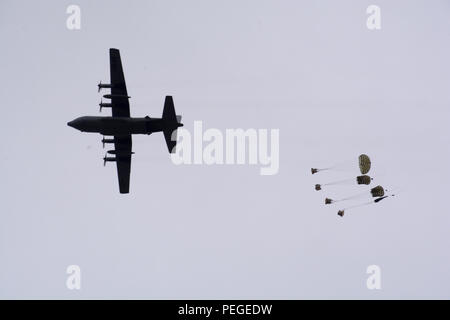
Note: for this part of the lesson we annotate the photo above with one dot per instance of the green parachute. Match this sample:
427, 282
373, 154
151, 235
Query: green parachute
378, 199
364, 163
378, 191
364, 179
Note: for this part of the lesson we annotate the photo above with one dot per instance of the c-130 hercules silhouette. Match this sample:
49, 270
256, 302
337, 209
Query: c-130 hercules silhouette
121, 126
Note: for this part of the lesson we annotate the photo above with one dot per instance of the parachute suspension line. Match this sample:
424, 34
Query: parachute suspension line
364, 179
342, 211
359, 205
356, 196
330, 201
338, 182
340, 168
364, 164
316, 170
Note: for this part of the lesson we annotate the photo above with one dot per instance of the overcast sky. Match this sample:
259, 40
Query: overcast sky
311, 69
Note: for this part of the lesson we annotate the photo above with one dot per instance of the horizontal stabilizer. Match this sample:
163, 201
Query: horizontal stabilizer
171, 139
171, 123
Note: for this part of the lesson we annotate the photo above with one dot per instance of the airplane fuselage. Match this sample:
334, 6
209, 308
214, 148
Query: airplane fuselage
121, 126
111, 126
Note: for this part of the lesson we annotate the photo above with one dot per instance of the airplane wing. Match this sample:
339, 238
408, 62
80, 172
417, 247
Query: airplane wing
120, 105
120, 108
122, 146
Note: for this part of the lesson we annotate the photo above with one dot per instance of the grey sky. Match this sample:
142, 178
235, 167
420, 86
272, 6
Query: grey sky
310, 68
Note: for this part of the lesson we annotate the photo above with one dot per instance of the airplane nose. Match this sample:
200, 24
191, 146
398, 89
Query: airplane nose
78, 123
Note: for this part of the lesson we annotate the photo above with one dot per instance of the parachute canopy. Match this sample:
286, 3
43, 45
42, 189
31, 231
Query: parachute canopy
378, 191
364, 163
363, 179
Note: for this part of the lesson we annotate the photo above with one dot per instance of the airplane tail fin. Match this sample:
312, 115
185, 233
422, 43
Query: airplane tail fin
171, 123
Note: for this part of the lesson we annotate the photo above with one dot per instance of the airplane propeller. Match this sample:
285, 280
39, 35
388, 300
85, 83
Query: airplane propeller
99, 85
104, 160
100, 104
